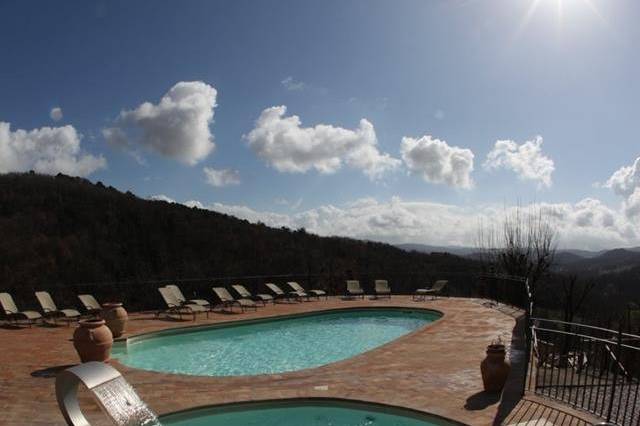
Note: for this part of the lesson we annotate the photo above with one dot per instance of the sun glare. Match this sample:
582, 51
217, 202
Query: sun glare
562, 9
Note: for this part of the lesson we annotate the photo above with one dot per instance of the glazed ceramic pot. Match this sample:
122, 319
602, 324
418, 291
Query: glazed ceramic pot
93, 340
494, 368
116, 318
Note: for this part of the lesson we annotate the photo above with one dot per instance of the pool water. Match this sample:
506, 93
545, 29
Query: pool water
272, 345
335, 413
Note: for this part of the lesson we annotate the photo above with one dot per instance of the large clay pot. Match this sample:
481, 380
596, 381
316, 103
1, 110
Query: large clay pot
116, 318
494, 368
93, 340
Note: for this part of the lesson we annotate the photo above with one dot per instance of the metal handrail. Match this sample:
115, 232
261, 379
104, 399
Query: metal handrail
573, 324
590, 372
585, 336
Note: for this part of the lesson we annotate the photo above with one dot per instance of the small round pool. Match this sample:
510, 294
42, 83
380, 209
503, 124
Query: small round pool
272, 345
303, 412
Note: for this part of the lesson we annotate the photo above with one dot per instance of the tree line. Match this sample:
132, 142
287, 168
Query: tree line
65, 231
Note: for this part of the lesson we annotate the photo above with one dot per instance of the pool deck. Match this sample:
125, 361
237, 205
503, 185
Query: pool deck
435, 369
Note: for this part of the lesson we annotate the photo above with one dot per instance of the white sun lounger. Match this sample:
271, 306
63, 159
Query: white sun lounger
246, 294
226, 299
49, 308
354, 289
317, 293
12, 312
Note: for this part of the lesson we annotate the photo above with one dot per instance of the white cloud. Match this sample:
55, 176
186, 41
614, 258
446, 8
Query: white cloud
56, 114
626, 179
290, 84
288, 147
162, 197
293, 205
626, 182
526, 160
177, 127
437, 162
221, 177
588, 224
632, 204
48, 150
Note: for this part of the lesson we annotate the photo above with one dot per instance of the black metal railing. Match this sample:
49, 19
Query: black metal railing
589, 368
505, 289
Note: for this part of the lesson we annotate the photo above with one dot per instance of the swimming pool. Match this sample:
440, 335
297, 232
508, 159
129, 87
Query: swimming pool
273, 345
321, 412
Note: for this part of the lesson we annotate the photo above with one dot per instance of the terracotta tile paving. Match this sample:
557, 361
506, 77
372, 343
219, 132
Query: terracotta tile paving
435, 369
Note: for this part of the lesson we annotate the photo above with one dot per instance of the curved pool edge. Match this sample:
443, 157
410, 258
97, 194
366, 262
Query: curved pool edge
269, 318
361, 404
231, 323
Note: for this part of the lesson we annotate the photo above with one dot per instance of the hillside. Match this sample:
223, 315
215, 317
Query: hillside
606, 262
62, 231
424, 248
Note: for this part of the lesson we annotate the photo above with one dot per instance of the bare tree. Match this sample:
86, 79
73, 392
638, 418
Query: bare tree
573, 295
522, 244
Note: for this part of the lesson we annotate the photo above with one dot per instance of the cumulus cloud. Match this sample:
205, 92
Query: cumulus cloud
48, 150
221, 177
588, 224
285, 145
526, 160
626, 179
56, 114
162, 197
632, 204
290, 84
176, 127
437, 162
625, 182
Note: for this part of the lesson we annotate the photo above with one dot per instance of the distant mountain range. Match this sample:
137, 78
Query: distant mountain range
566, 260
424, 248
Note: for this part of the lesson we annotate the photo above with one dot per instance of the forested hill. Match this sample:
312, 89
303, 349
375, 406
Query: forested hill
64, 230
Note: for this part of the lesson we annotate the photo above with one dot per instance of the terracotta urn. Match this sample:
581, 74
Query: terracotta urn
494, 368
93, 340
116, 318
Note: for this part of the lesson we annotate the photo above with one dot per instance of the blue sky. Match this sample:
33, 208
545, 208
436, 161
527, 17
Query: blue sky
453, 76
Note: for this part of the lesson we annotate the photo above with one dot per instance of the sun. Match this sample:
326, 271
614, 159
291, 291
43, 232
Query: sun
562, 9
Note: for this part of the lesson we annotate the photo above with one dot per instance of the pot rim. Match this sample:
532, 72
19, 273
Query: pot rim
496, 347
91, 323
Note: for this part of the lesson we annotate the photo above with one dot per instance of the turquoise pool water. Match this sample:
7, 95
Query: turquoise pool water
271, 346
308, 413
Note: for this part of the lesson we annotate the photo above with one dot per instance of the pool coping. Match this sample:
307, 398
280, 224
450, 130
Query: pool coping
318, 400
272, 318
269, 318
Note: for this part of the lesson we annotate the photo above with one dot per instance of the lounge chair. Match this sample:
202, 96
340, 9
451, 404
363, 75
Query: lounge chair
180, 296
246, 294
298, 288
382, 288
175, 306
434, 291
13, 314
227, 300
354, 289
50, 309
90, 304
279, 294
